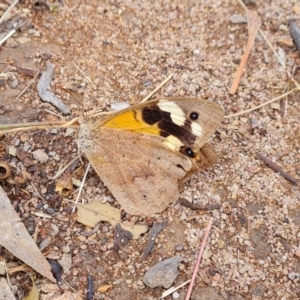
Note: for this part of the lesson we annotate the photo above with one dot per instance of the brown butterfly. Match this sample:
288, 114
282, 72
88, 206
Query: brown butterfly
144, 152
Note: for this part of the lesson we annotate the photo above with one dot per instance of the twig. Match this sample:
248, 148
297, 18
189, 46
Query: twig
7, 36
8, 10
29, 84
193, 206
196, 268
81, 187
279, 154
261, 105
9, 128
85, 76
271, 47
254, 22
157, 88
276, 168
173, 289
35, 189
62, 170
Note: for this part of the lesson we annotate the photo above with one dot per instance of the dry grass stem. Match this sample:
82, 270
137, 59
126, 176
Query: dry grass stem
254, 23
261, 105
157, 88
196, 268
29, 84
81, 187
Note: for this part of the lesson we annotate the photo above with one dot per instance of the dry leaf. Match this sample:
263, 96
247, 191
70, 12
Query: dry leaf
68, 296
34, 293
64, 184
16, 239
104, 288
5, 292
93, 213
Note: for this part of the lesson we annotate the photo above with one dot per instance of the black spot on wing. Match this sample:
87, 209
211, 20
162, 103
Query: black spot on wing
183, 133
154, 115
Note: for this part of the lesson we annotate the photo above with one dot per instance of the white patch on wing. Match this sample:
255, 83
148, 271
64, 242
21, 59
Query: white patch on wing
177, 114
196, 129
173, 143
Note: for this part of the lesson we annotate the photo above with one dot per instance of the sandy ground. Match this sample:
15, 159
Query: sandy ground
124, 49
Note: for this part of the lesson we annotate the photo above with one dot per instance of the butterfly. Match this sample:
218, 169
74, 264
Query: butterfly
144, 153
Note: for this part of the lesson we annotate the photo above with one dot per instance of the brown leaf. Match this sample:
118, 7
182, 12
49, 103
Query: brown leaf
95, 212
5, 291
64, 185
16, 239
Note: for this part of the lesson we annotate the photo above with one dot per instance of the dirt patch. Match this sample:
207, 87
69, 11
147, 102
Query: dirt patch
124, 49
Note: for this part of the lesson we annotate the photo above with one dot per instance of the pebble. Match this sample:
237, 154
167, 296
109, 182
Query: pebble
40, 155
50, 211
14, 83
81, 238
238, 19
66, 249
163, 274
178, 248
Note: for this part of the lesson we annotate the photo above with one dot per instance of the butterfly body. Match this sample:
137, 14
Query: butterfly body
142, 153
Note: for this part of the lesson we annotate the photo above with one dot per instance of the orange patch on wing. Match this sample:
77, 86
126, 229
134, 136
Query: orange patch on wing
131, 120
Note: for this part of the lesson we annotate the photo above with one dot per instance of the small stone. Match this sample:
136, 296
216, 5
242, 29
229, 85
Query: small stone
245, 269
170, 62
14, 83
81, 238
50, 211
175, 295
178, 248
221, 244
163, 274
238, 19
69, 131
40, 155
66, 249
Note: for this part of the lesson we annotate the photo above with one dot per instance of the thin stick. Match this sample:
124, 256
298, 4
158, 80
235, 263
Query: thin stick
62, 170
6, 74
7, 36
189, 292
271, 47
254, 22
35, 189
173, 289
29, 84
85, 76
276, 168
261, 105
8, 10
81, 187
36, 126
157, 88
